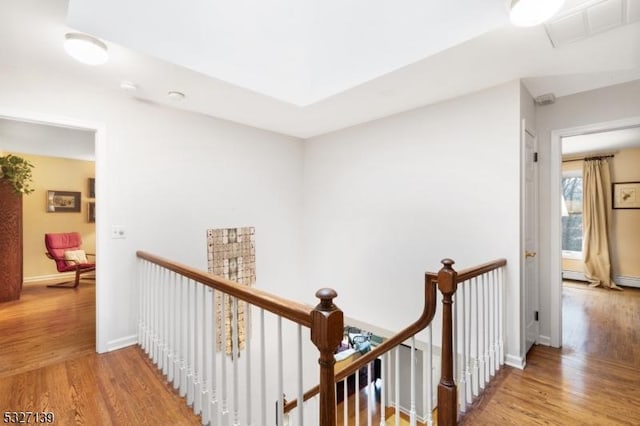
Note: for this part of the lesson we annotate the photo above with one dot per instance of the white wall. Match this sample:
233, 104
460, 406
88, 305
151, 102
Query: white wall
167, 176
597, 106
387, 200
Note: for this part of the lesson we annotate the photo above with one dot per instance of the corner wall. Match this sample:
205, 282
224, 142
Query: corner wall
387, 200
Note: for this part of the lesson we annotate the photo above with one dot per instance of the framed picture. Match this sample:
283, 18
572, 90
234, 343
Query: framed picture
91, 212
63, 201
92, 187
626, 195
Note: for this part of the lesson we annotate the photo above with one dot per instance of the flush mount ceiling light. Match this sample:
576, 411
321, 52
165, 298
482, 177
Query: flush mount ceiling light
86, 49
527, 13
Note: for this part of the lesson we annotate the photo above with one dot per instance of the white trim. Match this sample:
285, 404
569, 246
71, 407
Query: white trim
555, 231
40, 278
102, 296
544, 340
627, 281
574, 275
122, 342
515, 361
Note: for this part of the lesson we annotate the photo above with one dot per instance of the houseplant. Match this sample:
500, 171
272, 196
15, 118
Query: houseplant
16, 171
15, 180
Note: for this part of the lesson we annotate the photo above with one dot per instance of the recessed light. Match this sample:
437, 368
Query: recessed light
175, 95
128, 86
86, 49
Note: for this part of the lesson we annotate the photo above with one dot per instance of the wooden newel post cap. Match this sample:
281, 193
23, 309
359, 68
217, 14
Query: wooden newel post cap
448, 263
447, 277
326, 296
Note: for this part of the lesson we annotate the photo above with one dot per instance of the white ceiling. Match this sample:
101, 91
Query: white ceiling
603, 142
308, 68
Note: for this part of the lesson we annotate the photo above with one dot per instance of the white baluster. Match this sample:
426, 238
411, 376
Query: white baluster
370, 392
496, 321
170, 326
428, 382
462, 388
487, 339
247, 333
205, 414
412, 369
165, 322
235, 350
476, 362
501, 314
468, 332
154, 319
481, 322
357, 396
383, 389
215, 413
191, 358
397, 386
345, 402
197, 346
263, 369
300, 384
223, 325
491, 329
280, 411
184, 331
160, 324
140, 271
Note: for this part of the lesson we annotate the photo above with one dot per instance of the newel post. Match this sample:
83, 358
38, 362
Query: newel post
447, 392
327, 326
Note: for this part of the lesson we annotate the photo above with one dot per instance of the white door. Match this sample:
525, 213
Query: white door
530, 254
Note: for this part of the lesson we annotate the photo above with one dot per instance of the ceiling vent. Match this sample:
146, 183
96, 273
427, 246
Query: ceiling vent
591, 18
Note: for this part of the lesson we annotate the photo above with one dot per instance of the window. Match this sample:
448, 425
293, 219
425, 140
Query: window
572, 215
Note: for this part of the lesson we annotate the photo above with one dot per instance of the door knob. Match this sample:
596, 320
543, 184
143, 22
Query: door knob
529, 254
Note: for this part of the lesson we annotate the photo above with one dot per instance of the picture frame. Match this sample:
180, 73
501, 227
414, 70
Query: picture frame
91, 212
626, 195
92, 187
63, 202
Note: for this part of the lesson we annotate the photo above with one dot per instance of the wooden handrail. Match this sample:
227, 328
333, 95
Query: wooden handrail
294, 311
468, 273
425, 319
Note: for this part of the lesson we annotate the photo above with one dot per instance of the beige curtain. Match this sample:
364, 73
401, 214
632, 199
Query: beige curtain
596, 215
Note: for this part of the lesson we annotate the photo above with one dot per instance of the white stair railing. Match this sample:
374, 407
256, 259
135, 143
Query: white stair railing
235, 373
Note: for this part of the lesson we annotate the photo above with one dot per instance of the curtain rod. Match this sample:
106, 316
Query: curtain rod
598, 157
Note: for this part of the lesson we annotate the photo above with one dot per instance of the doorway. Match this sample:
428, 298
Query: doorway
99, 148
555, 212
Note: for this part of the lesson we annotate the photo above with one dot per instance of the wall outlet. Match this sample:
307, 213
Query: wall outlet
117, 231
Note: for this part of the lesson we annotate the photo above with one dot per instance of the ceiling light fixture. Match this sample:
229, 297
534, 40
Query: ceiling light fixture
527, 13
86, 49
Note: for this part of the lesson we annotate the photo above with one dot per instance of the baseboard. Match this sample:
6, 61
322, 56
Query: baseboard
627, 281
574, 275
515, 361
618, 279
123, 342
40, 278
544, 340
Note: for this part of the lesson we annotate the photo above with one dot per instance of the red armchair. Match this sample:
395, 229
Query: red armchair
66, 250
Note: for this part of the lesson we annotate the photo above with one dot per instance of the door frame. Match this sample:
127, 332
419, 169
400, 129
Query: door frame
100, 149
555, 231
528, 214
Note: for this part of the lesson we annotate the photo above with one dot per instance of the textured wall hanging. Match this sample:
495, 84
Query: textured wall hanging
231, 254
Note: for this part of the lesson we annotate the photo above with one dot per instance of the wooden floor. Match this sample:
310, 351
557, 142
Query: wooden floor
593, 380
48, 363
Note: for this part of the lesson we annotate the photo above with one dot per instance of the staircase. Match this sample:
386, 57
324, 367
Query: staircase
257, 371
